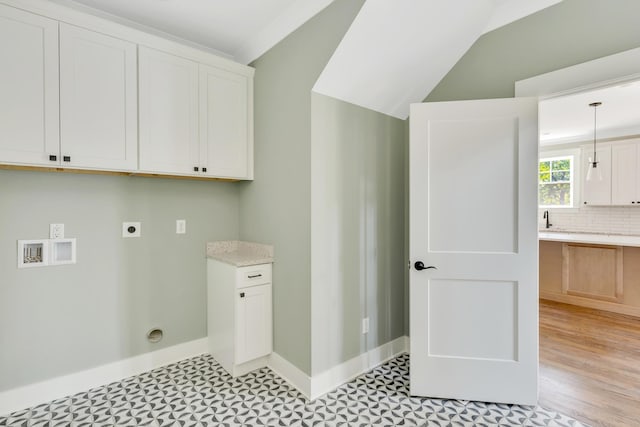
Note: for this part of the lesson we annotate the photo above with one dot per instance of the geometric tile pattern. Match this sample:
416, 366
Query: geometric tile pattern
198, 392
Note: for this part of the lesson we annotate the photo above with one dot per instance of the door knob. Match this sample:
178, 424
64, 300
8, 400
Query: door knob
419, 265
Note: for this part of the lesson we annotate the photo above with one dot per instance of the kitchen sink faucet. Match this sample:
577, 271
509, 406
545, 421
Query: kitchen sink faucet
546, 216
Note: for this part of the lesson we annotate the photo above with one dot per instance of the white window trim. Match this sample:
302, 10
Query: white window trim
575, 176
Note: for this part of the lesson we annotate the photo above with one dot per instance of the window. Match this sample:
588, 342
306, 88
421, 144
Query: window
555, 182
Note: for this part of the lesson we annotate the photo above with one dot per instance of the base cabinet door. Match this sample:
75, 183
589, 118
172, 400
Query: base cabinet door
29, 97
593, 271
168, 113
98, 101
253, 323
239, 315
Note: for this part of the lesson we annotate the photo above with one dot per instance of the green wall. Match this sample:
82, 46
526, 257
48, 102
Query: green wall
357, 230
276, 207
63, 319
569, 33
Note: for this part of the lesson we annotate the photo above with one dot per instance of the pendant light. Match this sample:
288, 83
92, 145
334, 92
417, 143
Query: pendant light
594, 172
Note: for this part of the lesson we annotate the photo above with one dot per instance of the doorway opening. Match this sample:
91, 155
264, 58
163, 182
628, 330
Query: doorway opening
589, 253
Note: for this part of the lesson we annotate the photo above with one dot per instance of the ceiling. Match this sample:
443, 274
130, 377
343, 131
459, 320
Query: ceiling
394, 53
397, 51
569, 118
238, 29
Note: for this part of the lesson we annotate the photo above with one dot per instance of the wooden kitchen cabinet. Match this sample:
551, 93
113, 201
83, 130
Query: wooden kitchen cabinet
592, 271
29, 104
239, 315
600, 276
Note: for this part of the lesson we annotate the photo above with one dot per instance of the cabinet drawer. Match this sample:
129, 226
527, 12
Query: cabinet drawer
253, 275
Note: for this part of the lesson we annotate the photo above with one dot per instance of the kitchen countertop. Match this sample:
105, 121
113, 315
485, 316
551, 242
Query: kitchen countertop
239, 253
593, 238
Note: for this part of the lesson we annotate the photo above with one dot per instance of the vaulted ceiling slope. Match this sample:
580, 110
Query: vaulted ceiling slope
396, 52
239, 29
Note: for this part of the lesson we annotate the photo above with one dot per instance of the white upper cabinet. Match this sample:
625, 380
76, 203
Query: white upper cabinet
29, 131
117, 99
168, 113
225, 123
98, 100
597, 191
625, 185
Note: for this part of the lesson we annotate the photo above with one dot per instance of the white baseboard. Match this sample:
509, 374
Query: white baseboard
316, 386
290, 373
55, 388
338, 375
311, 387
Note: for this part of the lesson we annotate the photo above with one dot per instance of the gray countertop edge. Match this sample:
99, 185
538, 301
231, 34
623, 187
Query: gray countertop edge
241, 263
592, 238
240, 253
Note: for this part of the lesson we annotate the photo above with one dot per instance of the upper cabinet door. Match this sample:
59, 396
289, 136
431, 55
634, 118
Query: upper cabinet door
598, 190
624, 174
226, 139
98, 100
168, 113
29, 131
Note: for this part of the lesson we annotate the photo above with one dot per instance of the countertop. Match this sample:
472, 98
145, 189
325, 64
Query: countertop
593, 238
239, 253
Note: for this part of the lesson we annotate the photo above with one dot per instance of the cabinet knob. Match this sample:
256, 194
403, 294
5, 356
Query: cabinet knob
633, 202
204, 169
196, 169
585, 203
66, 158
241, 294
53, 157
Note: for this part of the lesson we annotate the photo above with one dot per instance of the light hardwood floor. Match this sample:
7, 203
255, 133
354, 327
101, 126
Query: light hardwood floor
590, 364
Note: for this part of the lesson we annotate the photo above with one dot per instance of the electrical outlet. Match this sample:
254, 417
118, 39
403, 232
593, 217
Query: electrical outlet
181, 226
131, 229
365, 325
56, 231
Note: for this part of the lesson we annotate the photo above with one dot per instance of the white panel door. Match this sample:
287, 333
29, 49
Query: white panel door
168, 113
29, 131
226, 145
98, 100
253, 323
473, 192
624, 174
597, 192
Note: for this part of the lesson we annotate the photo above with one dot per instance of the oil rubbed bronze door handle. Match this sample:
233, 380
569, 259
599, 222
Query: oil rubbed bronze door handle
419, 265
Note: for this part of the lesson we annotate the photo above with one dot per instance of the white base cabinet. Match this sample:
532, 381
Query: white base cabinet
239, 315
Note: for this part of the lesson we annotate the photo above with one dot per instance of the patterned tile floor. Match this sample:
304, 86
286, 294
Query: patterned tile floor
198, 392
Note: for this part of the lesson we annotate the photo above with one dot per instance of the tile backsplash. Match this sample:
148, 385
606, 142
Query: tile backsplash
623, 220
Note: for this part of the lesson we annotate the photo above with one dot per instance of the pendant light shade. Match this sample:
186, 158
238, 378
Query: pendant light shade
593, 171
